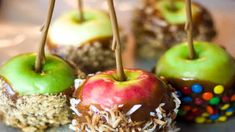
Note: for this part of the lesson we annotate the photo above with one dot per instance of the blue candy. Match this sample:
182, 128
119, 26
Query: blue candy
187, 99
214, 117
197, 88
179, 93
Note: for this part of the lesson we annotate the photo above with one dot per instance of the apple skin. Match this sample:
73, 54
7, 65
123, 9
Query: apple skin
67, 30
57, 76
104, 90
177, 16
213, 64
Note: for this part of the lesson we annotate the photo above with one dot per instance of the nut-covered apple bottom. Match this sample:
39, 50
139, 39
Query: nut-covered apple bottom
141, 103
158, 28
35, 101
85, 44
205, 85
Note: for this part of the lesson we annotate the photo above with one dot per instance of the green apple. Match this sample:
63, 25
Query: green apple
68, 30
212, 64
56, 76
177, 16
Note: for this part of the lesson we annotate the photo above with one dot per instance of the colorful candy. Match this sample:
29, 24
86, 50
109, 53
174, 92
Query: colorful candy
187, 99
214, 117
225, 106
200, 120
197, 88
207, 96
198, 101
186, 90
219, 89
208, 105
233, 98
214, 101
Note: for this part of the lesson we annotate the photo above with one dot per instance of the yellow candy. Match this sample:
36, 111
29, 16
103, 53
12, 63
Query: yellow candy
200, 120
208, 121
205, 114
222, 119
219, 89
225, 106
229, 113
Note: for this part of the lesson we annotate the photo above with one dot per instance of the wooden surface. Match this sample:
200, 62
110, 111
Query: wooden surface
20, 21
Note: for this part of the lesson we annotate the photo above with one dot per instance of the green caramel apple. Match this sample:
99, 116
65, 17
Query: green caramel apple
178, 15
212, 64
56, 76
68, 30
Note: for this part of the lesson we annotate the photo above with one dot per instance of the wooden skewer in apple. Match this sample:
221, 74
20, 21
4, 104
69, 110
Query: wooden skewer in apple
189, 29
41, 52
80, 10
116, 42
172, 5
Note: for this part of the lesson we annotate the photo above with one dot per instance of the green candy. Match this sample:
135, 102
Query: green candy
177, 16
214, 101
56, 76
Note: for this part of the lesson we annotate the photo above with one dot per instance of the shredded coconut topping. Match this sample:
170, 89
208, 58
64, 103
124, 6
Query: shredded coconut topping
133, 109
114, 120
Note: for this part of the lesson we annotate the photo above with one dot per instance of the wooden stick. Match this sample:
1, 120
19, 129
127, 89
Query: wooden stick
189, 29
118, 52
41, 52
172, 5
80, 10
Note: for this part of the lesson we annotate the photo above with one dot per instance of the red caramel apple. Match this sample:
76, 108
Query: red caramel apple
157, 27
142, 102
123, 99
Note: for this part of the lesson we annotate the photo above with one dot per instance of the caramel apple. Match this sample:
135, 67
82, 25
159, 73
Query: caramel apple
204, 76
87, 43
141, 103
204, 84
123, 99
35, 88
157, 26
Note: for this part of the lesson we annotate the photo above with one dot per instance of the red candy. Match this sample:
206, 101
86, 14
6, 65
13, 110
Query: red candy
198, 101
186, 90
225, 99
196, 112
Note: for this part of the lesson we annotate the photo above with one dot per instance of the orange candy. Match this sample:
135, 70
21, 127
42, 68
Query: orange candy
186, 108
233, 98
207, 96
210, 110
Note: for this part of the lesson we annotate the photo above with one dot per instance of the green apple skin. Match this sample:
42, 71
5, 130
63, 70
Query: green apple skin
177, 16
106, 91
68, 30
212, 64
56, 76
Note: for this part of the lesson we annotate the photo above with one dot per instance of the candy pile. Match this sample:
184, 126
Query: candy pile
205, 105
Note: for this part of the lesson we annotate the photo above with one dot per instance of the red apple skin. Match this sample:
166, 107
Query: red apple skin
105, 91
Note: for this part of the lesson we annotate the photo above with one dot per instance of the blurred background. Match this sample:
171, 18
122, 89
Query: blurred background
21, 20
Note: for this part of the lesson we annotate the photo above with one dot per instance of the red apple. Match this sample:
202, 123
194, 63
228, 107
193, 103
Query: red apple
105, 91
